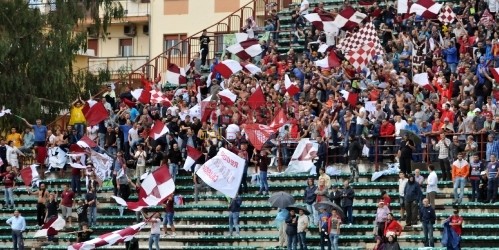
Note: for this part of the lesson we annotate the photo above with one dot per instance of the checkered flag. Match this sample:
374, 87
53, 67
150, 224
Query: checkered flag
349, 18
366, 34
361, 56
246, 49
446, 15
158, 97
109, 239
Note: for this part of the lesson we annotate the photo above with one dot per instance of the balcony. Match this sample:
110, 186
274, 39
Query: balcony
116, 65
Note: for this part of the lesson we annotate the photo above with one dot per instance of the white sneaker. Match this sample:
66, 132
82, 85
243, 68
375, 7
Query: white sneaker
173, 235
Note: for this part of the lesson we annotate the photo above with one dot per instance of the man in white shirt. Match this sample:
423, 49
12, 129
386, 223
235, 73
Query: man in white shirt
402, 183
155, 222
431, 188
399, 124
361, 117
18, 226
304, 7
133, 137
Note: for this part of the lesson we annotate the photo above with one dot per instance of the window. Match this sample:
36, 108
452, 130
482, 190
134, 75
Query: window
93, 44
171, 41
126, 48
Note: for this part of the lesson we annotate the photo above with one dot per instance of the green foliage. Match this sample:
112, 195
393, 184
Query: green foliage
37, 50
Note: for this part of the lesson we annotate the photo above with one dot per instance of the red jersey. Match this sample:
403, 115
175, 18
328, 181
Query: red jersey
457, 228
8, 179
67, 198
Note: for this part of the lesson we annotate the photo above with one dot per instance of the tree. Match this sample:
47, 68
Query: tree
38, 45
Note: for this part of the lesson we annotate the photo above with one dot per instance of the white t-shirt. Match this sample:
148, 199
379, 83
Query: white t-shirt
402, 184
361, 117
304, 7
133, 134
231, 131
156, 226
432, 182
398, 126
174, 110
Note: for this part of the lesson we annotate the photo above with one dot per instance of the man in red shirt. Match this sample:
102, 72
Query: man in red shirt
9, 183
456, 222
386, 131
67, 199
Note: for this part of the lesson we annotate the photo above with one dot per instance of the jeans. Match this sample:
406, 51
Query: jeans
428, 234
102, 139
334, 241
75, 184
9, 197
92, 216
264, 186
354, 170
292, 241
173, 170
358, 129
348, 210
302, 240
154, 239
112, 151
475, 184
324, 236
285, 155
233, 222
452, 67
79, 127
492, 190
314, 215
459, 182
17, 240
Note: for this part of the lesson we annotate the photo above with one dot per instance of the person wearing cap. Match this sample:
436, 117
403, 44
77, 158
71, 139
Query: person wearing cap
380, 219
476, 168
428, 217
460, 172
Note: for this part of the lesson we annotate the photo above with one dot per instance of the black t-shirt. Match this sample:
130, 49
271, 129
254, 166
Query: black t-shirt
405, 150
81, 211
84, 236
51, 209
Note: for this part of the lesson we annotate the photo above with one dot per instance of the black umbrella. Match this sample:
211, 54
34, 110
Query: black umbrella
281, 200
329, 206
412, 136
297, 208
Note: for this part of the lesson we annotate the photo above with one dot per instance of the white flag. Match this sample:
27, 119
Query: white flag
301, 160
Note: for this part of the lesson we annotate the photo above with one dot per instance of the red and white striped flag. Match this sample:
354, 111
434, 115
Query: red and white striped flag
227, 68
361, 56
349, 18
51, 227
141, 95
29, 174
291, 87
94, 112
422, 80
447, 15
246, 49
322, 22
227, 97
175, 75
158, 129
365, 35
158, 97
350, 97
426, 8
86, 142
109, 239
250, 68
154, 190
192, 156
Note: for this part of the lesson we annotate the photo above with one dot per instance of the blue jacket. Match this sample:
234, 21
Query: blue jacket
450, 55
235, 205
450, 239
427, 214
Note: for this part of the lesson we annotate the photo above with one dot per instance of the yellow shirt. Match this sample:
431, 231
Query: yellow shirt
16, 138
76, 115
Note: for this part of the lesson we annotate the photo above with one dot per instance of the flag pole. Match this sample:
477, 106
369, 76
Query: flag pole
74, 232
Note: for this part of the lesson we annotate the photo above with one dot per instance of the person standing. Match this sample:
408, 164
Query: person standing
234, 210
262, 163
402, 183
40, 132
456, 224
406, 149
140, 156
354, 153
9, 184
381, 216
460, 172
492, 175
169, 207
84, 233
476, 168
443, 155
82, 212
174, 160
323, 227
432, 185
67, 201
333, 229
17, 224
76, 180
50, 212
122, 183
302, 226
291, 230
321, 154
428, 218
43, 196
347, 195
412, 196
91, 201
155, 222
204, 41
310, 200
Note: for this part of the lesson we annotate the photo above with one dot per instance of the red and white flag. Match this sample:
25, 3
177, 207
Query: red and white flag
158, 97
365, 35
175, 75
279, 120
251, 68
29, 174
94, 112
447, 15
361, 56
158, 129
206, 108
322, 22
349, 18
51, 227
154, 189
227, 68
258, 134
141, 95
291, 87
246, 49
192, 156
402, 6
109, 239
257, 99
86, 142
330, 61
426, 8
301, 160
487, 19
495, 73
227, 97
422, 80
350, 97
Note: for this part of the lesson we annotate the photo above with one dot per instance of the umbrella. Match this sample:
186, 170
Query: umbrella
412, 136
297, 208
281, 200
329, 207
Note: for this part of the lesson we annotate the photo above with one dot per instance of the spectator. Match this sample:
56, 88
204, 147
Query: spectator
354, 153
323, 227
392, 226
482, 188
460, 172
381, 217
262, 162
322, 191
17, 224
91, 201
29, 141
428, 218
280, 220
50, 212
334, 223
82, 212
155, 222
77, 119
174, 160
325, 177
347, 196
407, 147
335, 195
291, 229
84, 234
43, 196
302, 228
234, 210
385, 197
310, 199
204, 41
66, 204
15, 137
3, 156
492, 176
40, 132
391, 243
12, 155
456, 224
432, 185
122, 184
412, 196
76, 179
402, 183
9, 182
140, 156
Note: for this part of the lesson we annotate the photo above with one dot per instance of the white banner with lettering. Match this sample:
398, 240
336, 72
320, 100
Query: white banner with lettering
302, 159
223, 172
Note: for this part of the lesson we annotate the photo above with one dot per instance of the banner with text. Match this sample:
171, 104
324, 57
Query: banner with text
223, 172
